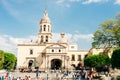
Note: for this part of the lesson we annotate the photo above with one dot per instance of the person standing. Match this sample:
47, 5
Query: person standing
29, 77
2, 78
89, 76
10, 75
37, 72
26, 77
6, 76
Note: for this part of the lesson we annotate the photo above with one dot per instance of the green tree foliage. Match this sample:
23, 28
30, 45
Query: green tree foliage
108, 34
115, 59
9, 61
1, 59
99, 60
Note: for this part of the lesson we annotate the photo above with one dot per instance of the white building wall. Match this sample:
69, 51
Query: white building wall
97, 51
24, 52
73, 46
76, 53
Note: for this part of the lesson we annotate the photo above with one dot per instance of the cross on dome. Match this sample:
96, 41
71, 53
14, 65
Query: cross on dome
45, 13
45, 18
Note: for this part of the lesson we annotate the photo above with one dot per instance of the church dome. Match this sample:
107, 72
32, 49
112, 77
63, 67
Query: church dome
45, 19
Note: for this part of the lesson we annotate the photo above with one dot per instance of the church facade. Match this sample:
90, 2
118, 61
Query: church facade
47, 54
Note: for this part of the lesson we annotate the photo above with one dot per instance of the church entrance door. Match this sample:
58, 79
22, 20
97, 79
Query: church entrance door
56, 64
30, 63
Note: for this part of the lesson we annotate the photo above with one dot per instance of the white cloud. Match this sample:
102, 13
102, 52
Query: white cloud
74, 0
117, 2
60, 1
74, 37
68, 3
9, 43
93, 1
63, 3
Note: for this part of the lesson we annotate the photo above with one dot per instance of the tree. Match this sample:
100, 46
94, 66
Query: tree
9, 61
96, 61
1, 59
115, 59
108, 34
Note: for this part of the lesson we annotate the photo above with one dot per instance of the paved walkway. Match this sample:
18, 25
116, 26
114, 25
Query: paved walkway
47, 76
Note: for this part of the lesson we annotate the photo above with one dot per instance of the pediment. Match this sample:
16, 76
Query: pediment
54, 46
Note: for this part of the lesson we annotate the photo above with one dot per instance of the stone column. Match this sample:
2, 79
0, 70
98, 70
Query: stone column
62, 65
64, 61
46, 62
44, 38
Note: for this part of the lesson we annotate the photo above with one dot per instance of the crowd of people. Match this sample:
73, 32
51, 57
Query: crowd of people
9, 76
77, 74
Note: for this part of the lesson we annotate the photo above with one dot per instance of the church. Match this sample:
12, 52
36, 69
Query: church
46, 54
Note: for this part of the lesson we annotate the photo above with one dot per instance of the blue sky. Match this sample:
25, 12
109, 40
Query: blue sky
79, 19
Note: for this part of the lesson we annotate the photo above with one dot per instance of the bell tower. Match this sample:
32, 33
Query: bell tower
45, 33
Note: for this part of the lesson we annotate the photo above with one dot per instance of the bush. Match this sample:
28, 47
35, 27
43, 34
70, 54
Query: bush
1, 59
115, 59
9, 61
99, 60
118, 77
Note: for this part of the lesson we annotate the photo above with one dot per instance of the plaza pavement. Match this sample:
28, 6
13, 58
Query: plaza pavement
42, 76
50, 76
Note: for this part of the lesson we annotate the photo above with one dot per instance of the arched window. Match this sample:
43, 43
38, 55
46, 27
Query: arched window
44, 27
41, 38
46, 38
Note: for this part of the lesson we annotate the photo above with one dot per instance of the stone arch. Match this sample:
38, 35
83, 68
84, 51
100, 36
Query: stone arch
56, 64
